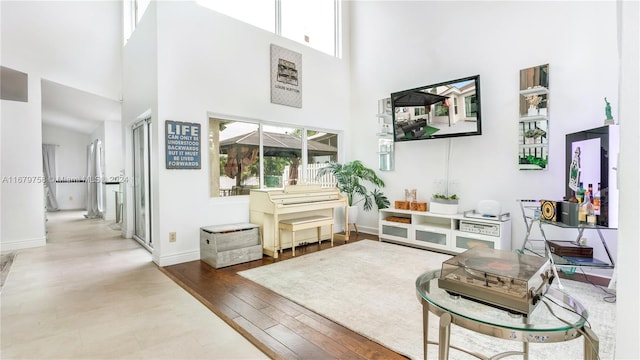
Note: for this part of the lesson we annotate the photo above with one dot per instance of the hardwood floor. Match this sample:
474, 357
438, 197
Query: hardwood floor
279, 327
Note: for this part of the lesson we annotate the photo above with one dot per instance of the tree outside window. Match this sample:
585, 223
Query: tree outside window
441, 110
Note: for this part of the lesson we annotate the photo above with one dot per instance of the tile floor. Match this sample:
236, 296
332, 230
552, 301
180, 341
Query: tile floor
91, 294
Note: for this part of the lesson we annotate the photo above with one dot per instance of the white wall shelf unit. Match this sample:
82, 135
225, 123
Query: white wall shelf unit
539, 90
534, 118
451, 234
533, 126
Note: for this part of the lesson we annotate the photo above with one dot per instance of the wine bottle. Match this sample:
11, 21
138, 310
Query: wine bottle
582, 210
596, 201
591, 214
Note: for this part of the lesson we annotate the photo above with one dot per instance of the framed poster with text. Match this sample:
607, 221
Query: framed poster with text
286, 77
182, 142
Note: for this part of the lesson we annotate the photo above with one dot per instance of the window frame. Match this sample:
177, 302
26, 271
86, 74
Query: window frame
337, 25
261, 124
131, 16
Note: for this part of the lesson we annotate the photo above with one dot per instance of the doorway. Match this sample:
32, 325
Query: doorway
141, 183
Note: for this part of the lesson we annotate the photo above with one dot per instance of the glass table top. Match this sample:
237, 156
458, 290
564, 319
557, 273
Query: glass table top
578, 226
562, 313
571, 261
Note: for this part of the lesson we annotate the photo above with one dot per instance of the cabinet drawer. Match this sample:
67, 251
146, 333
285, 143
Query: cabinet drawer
464, 242
399, 231
433, 237
430, 236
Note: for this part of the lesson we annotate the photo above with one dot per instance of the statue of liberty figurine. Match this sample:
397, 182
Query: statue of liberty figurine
607, 111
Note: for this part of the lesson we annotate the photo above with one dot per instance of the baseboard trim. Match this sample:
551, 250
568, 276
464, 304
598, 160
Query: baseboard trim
368, 230
12, 245
172, 259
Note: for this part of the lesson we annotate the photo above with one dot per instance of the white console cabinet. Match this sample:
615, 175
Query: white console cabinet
445, 233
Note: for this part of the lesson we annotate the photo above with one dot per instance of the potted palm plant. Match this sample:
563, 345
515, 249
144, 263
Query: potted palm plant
351, 180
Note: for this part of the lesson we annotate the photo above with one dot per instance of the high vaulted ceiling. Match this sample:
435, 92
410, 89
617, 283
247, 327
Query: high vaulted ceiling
74, 109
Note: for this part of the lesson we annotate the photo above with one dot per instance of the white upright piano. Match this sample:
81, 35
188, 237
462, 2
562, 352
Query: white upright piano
269, 206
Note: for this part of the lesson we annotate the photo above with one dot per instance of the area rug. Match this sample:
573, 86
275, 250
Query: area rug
369, 287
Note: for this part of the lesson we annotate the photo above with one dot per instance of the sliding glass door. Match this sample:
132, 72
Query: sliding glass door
141, 181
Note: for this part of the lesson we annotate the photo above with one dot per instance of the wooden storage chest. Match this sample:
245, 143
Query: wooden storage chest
226, 245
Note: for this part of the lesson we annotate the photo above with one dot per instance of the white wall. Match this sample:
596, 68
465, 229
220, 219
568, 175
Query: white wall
23, 207
1, 167
76, 43
628, 281
223, 68
140, 99
71, 163
70, 42
496, 41
113, 149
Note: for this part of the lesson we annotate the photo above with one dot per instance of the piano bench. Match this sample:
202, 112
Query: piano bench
303, 223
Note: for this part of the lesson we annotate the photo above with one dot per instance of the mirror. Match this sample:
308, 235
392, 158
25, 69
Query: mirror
533, 137
447, 109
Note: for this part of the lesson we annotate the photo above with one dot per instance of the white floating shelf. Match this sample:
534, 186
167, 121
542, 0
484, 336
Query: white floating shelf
531, 146
533, 118
529, 167
534, 91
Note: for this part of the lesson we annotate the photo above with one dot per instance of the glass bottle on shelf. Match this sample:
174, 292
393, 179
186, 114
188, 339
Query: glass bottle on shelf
596, 201
591, 214
582, 210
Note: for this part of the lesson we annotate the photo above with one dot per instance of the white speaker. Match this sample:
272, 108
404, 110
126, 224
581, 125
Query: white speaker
489, 208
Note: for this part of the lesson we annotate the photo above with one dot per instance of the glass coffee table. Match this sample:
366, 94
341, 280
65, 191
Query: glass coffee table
565, 319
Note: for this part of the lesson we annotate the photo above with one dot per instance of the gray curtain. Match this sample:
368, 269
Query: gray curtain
94, 180
49, 173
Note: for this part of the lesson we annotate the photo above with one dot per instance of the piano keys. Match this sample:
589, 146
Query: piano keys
269, 206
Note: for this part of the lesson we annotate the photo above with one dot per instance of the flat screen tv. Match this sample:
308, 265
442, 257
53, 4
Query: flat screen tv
443, 110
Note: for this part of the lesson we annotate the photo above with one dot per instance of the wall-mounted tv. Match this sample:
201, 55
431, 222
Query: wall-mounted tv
446, 109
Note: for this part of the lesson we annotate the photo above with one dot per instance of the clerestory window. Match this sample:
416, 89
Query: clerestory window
133, 10
315, 23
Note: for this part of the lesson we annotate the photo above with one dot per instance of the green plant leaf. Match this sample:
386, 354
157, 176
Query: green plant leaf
354, 180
